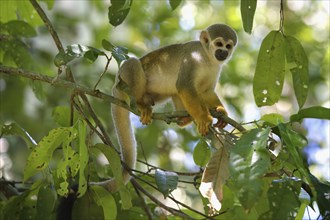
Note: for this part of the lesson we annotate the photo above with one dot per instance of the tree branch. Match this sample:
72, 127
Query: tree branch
167, 117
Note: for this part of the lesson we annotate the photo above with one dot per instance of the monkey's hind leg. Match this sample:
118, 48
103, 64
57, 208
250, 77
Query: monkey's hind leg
133, 74
181, 121
197, 110
213, 102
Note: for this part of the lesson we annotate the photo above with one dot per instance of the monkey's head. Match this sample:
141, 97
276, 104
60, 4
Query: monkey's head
220, 40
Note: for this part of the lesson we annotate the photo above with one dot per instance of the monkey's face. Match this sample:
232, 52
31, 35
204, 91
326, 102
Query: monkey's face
222, 49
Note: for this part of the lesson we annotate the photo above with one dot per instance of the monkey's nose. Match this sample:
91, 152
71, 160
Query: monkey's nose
221, 54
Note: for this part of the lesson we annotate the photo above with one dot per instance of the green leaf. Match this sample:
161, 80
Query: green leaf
202, 153
12, 208
104, 199
83, 158
11, 10
293, 143
283, 199
298, 61
248, 8
63, 189
120, 54
7, 11
50, 3
249, 161
86, 208
17, 51
175, 3
26, 12
62, 114
46, 201
62, 58
322, 195
75, 51
107, 45
116, 168
269, 75
114, 161
20, 28
92, 54
40, 157
166, 181
312, 112
272, 118
68, 167
118, 11
15, 129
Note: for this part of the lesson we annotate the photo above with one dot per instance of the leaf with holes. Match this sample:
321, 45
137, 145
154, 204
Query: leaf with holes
298, 59
283, 196
270, 70
41, 155
83, 158
118, 11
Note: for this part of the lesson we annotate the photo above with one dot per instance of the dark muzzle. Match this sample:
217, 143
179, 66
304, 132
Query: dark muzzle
221, 54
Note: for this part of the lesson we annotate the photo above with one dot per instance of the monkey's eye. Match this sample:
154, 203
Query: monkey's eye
219, 44
228, 46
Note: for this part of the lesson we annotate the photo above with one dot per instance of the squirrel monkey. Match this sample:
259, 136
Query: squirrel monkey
187, 73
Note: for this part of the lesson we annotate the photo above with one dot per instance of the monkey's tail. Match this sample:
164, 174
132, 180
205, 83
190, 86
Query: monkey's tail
126, 140
125, 134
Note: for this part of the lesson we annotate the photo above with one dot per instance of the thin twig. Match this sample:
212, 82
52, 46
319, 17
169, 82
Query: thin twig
91, 126
104, 71
179, 173
48, 24
157, 202
96, 120
144, 205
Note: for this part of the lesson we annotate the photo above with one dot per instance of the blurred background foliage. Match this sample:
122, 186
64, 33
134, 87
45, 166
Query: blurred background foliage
151, 24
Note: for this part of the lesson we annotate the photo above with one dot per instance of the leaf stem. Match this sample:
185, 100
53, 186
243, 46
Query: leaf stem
282, 17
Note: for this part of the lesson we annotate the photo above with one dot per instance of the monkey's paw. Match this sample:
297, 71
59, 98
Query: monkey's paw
203, 125
145, 116
221, 123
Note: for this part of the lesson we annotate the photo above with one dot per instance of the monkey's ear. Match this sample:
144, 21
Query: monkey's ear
205, 38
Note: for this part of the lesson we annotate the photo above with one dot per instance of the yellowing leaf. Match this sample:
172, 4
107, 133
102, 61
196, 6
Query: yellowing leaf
214, 177
83, 158
40, 157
